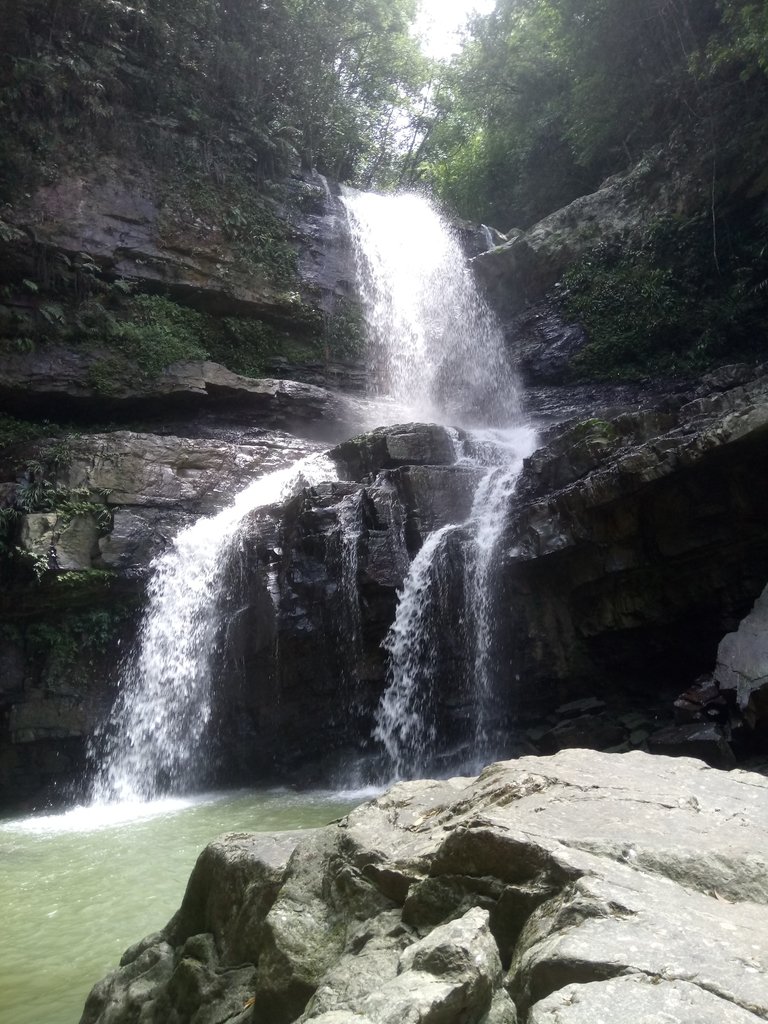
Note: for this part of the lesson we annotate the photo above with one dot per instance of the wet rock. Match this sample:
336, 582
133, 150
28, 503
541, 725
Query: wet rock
599, 732
232, 887
574, 708
703, 702
409, 444
115, 214
630, 542
582, 885
542, 345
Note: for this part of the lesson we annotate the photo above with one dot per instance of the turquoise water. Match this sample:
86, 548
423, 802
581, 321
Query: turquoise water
78, 888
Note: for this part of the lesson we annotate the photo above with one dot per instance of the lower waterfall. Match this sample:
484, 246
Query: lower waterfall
152, 743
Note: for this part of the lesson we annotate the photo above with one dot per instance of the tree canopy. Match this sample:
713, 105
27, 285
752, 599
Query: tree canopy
550, 96
317, 78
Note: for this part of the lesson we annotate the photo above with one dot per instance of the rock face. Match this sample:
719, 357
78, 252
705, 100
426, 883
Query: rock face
129, 494
56, 381
116, 214
527, 264
344, 551
568, 889
742, 664
610, 575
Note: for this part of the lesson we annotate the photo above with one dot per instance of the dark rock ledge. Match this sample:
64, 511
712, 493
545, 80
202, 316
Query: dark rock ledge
572, 889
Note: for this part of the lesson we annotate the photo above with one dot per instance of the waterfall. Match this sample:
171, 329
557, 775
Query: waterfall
154, 739
404, 722
439, 353
436, 349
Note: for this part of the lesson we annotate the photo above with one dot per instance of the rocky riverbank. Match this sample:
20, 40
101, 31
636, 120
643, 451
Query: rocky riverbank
558, 890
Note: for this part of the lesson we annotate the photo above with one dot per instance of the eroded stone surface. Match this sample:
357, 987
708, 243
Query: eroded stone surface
567, 889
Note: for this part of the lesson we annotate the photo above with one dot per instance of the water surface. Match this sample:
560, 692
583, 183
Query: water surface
78, 888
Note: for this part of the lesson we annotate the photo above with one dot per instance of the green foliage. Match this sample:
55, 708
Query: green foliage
551, 96
65, 643
247, 220
344, 332
244, 345
670, 307
311, 78
15, 431
159, 332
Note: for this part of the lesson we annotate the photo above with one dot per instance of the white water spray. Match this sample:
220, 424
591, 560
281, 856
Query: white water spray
164, 706
439, 351
435, 346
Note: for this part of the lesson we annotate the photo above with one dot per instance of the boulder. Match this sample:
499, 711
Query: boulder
742, 664
408, 444
564, 889
74, 542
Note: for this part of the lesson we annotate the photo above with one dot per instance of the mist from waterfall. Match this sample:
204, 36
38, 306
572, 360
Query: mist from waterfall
438, 353
154, 741
434, 347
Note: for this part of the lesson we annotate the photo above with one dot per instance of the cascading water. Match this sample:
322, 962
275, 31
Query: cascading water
153, 741
436, 349
439, 353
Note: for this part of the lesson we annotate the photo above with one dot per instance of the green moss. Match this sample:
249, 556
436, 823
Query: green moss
246, 218
594, 429
65, 642
15, 431
107, 376
159, 332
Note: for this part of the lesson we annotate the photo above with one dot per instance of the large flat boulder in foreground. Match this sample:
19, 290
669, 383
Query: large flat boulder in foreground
571, 889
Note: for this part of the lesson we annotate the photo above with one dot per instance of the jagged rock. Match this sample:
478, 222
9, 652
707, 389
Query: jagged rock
572, 886
556, 404
523, 268
155, 471
542, 345
706, 740
742, 663
74, 545
153, 486
408, 444
353, 377
630, 542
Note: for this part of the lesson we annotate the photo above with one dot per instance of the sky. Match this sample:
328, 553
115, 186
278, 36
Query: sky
439, 23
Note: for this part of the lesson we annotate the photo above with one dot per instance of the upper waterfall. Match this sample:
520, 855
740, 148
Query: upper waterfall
435, 347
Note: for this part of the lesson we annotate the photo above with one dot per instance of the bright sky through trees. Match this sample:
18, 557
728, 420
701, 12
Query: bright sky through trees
440, 21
